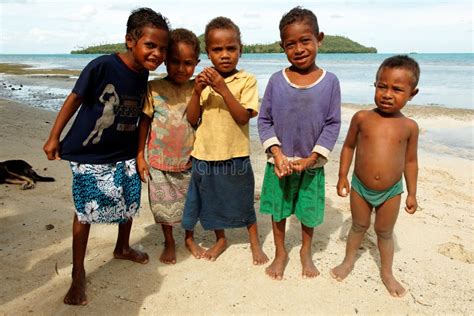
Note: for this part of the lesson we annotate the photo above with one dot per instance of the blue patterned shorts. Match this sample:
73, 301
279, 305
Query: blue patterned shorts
106, 193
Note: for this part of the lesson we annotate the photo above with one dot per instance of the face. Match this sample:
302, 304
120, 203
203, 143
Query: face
301, 45
180, 63
393, 89
224, 50
149, 51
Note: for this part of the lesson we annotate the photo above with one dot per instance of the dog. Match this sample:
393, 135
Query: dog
20, 172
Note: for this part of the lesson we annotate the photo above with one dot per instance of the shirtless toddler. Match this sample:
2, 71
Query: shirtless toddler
386, 143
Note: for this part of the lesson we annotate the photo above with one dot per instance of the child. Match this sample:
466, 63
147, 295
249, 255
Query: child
170, 140
221, 192
386, 143
101, 145
298, 125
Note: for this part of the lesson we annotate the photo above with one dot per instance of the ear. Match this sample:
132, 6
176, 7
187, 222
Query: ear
129, 41
320, 38
413, 93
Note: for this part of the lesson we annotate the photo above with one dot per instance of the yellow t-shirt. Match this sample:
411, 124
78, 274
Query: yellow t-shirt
219, 137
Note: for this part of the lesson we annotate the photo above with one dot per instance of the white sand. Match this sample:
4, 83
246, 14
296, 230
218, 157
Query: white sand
434, 254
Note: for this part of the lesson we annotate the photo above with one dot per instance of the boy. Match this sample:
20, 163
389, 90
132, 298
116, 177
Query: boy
386, 144
299, 123
102, 143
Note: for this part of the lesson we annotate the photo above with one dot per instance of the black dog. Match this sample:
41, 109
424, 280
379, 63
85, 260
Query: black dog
20, 172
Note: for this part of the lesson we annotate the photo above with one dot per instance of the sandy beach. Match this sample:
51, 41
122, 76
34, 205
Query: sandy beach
434, 247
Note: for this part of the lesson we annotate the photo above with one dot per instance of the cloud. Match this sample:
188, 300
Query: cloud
83, 14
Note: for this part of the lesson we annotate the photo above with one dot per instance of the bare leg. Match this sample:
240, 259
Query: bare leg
276, 269
258, 256
360, 211
219, 247
77, 292
309, 269
122, 247
385, 220
196, 250
168, 255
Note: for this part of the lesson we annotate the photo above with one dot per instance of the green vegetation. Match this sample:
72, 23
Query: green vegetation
331, 44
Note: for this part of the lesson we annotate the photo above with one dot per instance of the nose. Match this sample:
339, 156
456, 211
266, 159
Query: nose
298, 48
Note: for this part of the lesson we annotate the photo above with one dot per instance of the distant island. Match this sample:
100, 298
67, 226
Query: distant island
331, 44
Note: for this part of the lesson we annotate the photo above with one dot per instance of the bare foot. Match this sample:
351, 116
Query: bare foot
309, 269
341, 271
132, 255
258, 256
168, 256
215, 251
277, 267
77, 292
393, 286
196, 250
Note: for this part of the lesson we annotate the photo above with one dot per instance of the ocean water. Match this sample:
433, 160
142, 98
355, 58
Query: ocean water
446, 80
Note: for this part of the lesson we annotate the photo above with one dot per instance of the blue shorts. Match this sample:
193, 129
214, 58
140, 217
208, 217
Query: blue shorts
220, 195
106, 193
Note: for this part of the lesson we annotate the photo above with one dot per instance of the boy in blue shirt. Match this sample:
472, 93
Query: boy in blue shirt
102, 143
299, 123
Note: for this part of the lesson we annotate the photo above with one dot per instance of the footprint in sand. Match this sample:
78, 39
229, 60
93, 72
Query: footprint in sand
456, 251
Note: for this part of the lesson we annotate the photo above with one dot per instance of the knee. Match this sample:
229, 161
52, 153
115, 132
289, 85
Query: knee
359, 228
383, 233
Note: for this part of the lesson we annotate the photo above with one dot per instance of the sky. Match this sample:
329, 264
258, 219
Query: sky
59, 26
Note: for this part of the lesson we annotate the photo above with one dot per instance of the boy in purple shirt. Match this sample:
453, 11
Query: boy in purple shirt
299, 122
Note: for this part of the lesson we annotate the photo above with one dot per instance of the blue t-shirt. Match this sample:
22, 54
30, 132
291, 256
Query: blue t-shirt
105, 129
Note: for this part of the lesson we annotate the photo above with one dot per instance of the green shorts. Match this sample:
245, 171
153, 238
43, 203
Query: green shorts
302, 194
373, 197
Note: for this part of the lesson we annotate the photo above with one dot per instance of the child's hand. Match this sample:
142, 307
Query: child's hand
200, 83
51, 149
343, 187
282, 165
215, 80
411, 204
142, 169
304, 163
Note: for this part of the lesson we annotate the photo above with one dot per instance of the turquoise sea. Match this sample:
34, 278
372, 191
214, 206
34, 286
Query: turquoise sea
446, 80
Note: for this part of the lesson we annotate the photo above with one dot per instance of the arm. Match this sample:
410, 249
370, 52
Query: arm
329, 134
143, 129
347, 152
193, 112
240, 114
411, 169
332, 123
70, 106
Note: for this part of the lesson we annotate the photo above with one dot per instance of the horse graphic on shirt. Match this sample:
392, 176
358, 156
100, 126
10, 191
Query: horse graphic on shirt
110, 99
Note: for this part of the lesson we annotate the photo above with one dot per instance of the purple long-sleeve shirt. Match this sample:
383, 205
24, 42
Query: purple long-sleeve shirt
301, 120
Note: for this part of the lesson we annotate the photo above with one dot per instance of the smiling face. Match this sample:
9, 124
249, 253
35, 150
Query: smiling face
149, 51
223, 49
301, 45
393, 89
181, 62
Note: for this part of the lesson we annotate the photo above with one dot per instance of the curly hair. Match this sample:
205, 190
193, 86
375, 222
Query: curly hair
298, 14
143, 17
404, 62
182, 35
221, 23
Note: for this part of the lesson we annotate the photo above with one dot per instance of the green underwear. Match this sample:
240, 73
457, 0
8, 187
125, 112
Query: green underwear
376, 198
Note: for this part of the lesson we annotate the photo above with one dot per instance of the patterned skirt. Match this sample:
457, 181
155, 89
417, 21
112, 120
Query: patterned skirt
167, 194
106, 193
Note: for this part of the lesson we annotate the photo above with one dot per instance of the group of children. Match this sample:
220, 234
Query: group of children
188, 139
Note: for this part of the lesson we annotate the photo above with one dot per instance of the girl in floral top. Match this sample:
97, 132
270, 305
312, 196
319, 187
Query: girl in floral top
170, 139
